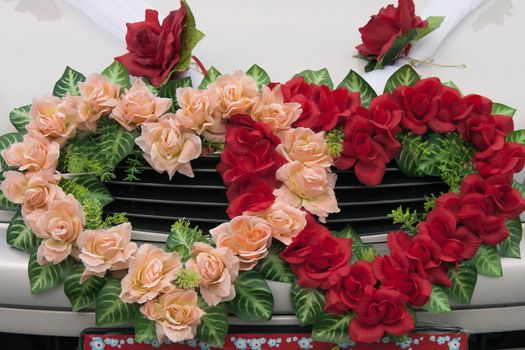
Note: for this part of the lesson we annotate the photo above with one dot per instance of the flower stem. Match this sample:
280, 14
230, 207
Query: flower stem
201, 66
430, 61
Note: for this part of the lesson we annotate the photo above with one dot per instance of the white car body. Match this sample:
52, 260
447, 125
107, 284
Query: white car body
284, 37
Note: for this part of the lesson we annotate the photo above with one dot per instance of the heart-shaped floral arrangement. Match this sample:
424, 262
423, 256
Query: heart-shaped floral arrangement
278, 144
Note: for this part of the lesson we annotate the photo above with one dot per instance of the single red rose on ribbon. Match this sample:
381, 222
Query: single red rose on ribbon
322, 108
154, 49
383, 29
380, 310
254, 195
394, 273
346, 294
507, 161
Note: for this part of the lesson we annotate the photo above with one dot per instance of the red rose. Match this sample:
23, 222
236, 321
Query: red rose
500, 196
491, 229
450, 201
420, 103
346, 294
379, 311
481, 106
486, 132
255, 195
389, 24
385, 113
154, 50
452, 109
456, 243
423, 253
507, 161
322, 109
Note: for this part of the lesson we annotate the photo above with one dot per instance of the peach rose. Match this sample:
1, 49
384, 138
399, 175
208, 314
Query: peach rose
309, 187
151, 272
54, 118
105, 250
42, 189
218, 269
14, 186
195, 109
34, 153
234, 94
216, 132
59, 226
285, 221
138, 106
272, 111
98, 97
169, 148
176, 313
249, 237
305, 146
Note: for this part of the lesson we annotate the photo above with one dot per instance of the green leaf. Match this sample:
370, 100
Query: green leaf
405, 75
320, 77
6, 204
519, 187
358, 248
433, 23
408, 161
511, 246
307, 303
67, 84
45, 277
331, 328
20, 117
182, 237
190, 37
451, 84
259, 75
273, 268
395, 49
145, 329
87, 186
429, 166
253, 298
210, 77
214, 324
500, 108
463, 280
488, 262
516, 136
110, 309
438, 301
19, 236
115, 143
355, 83
118, 74
82, 295
7, 140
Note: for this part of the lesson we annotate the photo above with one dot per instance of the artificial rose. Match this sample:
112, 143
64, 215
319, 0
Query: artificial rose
379, 311
345, 295
176, 313
285, 221
389, 24
311, 188
452, 109
456, 243
305, 146
54, 118
14, 186
420, 103
218, 269
42, 189
477, 217
154, 50
139, 105
385, 113
271, 109
486, 132
252, 196
500, 196
394, 273
508, 160
98, 97
34, 153
150, 273
249, 237
105, 250
233, 94
195, 109
169, 148
59, 226
481, 106
216, 132
450, 201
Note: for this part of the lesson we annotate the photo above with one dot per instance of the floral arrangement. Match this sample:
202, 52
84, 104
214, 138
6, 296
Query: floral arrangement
278, 146
389, 34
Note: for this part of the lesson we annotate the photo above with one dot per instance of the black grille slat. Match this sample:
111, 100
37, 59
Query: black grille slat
154, 203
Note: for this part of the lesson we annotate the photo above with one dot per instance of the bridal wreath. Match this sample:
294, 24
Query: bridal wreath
278, 145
